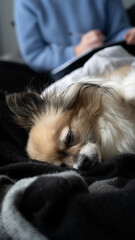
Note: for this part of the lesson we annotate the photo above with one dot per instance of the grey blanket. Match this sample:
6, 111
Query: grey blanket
68, 206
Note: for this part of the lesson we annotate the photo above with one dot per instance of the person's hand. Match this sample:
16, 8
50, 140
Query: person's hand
130, 36
90, 40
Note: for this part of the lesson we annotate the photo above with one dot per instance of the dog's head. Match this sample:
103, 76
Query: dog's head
62, 128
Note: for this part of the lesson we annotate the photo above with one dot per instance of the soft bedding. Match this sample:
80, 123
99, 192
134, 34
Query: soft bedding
41, 201
103, 61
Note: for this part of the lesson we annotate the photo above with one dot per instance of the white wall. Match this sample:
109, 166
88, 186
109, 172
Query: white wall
8, 42
128, 3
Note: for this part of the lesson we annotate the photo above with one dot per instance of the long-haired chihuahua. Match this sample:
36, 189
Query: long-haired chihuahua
89, 122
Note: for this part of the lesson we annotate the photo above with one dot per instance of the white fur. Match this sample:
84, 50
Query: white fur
117, 123
117, 133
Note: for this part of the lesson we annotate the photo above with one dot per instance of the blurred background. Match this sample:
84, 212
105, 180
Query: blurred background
8, 42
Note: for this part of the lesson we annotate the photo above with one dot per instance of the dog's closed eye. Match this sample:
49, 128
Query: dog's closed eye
66, 139
69, 139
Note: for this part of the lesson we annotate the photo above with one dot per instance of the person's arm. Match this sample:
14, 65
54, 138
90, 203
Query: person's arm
38, 54
117, 22
130, 36
90, 40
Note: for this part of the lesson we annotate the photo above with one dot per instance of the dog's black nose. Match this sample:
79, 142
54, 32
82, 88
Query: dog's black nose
85, 162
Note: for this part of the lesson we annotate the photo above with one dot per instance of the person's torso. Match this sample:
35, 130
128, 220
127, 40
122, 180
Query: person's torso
63, 22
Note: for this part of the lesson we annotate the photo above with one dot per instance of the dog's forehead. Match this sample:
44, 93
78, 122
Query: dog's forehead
50, 126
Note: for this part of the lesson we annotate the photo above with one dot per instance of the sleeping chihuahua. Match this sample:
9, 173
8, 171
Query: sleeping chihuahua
91, 121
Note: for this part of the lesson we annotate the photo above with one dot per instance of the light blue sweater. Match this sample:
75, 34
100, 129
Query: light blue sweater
46, 28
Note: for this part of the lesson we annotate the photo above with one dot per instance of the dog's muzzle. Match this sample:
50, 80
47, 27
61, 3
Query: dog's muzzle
84, 162
88, 156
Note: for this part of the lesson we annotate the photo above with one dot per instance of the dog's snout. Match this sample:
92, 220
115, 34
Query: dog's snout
84, 162
88, 156
87, 162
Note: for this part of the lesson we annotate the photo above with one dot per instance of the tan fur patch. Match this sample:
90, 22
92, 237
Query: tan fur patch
47, 136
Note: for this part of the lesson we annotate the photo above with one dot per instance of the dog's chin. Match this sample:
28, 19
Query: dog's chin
88, 157
85, 165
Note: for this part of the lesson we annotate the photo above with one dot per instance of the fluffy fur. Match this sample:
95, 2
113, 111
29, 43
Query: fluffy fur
89, 122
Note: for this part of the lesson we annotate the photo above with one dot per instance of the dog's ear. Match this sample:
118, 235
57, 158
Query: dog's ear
82, 94
25, 107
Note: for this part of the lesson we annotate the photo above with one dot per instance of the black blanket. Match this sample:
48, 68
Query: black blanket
42, 201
